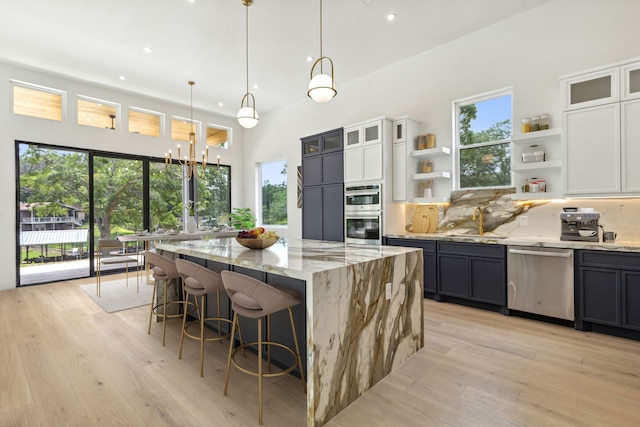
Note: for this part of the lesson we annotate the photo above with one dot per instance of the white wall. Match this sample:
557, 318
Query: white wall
67, 133
527, 52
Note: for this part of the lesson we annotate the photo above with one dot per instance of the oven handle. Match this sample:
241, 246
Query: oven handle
364, 193
537, 253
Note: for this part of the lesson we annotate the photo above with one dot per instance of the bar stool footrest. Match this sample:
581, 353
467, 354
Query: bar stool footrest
264, 374
197, 322
172, 316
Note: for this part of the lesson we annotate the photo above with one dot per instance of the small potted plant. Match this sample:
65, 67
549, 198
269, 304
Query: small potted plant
242, 219
191, 223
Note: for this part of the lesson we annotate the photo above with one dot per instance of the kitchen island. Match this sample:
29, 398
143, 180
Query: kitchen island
363, 316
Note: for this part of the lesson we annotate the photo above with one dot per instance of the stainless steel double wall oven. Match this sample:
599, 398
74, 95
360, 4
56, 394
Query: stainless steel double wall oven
363, 214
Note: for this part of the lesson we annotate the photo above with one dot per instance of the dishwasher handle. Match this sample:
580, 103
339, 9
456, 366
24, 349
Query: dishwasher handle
540, 253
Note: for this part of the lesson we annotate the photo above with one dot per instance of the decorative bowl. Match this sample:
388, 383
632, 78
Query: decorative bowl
256, 243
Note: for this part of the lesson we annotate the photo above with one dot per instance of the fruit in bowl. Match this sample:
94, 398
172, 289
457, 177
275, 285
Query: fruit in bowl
257, 238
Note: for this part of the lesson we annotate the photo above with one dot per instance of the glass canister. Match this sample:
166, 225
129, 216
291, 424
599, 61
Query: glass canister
545, 122
535, 123
526, 125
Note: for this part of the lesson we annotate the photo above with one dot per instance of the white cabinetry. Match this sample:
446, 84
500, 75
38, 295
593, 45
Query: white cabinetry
630, 81
588, 90
363, 133
602, 133
630, 146
405, 131
550, 169
364, 150
593, 150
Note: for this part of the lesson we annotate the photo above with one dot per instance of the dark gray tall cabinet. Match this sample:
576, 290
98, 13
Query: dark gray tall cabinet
323, 186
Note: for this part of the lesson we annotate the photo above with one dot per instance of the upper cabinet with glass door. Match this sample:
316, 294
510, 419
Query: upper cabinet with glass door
362, 134
630, 75
588, 90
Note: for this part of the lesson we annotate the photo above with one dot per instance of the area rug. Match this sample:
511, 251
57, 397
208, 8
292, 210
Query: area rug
116, 296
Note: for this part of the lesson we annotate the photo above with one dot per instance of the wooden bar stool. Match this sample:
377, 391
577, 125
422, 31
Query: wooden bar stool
255, 299
200, 281
164, 269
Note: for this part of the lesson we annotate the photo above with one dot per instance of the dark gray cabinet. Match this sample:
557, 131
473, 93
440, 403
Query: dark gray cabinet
323, 186
472, 271
312, 218
609, 289
428, 259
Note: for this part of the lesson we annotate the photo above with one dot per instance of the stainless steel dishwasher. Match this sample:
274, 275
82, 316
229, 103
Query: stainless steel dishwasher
540, 281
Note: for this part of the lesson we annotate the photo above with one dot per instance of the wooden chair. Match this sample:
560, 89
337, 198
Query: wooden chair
111, 252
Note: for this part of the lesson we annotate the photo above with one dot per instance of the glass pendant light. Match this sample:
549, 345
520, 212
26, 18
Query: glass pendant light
322, 87
247, 116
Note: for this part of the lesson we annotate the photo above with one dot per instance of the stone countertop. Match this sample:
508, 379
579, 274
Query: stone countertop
182, 235
548, 242
342, 281
297, 258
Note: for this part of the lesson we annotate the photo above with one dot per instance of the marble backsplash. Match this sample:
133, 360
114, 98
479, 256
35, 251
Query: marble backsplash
503, 216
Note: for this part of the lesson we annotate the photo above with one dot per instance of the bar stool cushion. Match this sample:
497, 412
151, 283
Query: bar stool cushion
163, 268
253, 298
198, 280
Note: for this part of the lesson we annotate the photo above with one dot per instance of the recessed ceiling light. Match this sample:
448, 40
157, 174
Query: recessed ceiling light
391, 16
255, 87
220, 104
123, 78
309, 58
147, 49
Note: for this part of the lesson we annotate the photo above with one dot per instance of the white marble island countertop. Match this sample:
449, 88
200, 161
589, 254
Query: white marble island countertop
548, 242
298, 258
363, 308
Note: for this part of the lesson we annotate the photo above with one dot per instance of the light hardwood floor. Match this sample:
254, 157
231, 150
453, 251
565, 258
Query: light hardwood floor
65, 362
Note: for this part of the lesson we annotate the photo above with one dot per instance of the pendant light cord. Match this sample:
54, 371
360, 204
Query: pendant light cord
321, 37
247, 40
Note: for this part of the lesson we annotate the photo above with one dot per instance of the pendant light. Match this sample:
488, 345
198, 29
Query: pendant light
322, 87
247, 116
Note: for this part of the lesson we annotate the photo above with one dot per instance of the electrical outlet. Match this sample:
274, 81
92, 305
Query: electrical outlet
388, 291
524, 220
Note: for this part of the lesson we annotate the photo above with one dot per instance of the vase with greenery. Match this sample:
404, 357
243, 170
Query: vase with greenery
191, 225
242, 219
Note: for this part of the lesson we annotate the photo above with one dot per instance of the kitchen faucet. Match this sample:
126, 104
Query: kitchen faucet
480, 226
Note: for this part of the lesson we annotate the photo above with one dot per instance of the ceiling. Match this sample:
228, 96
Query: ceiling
204, 41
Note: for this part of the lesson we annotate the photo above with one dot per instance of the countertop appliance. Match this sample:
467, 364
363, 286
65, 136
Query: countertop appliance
540, 281
579, 225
